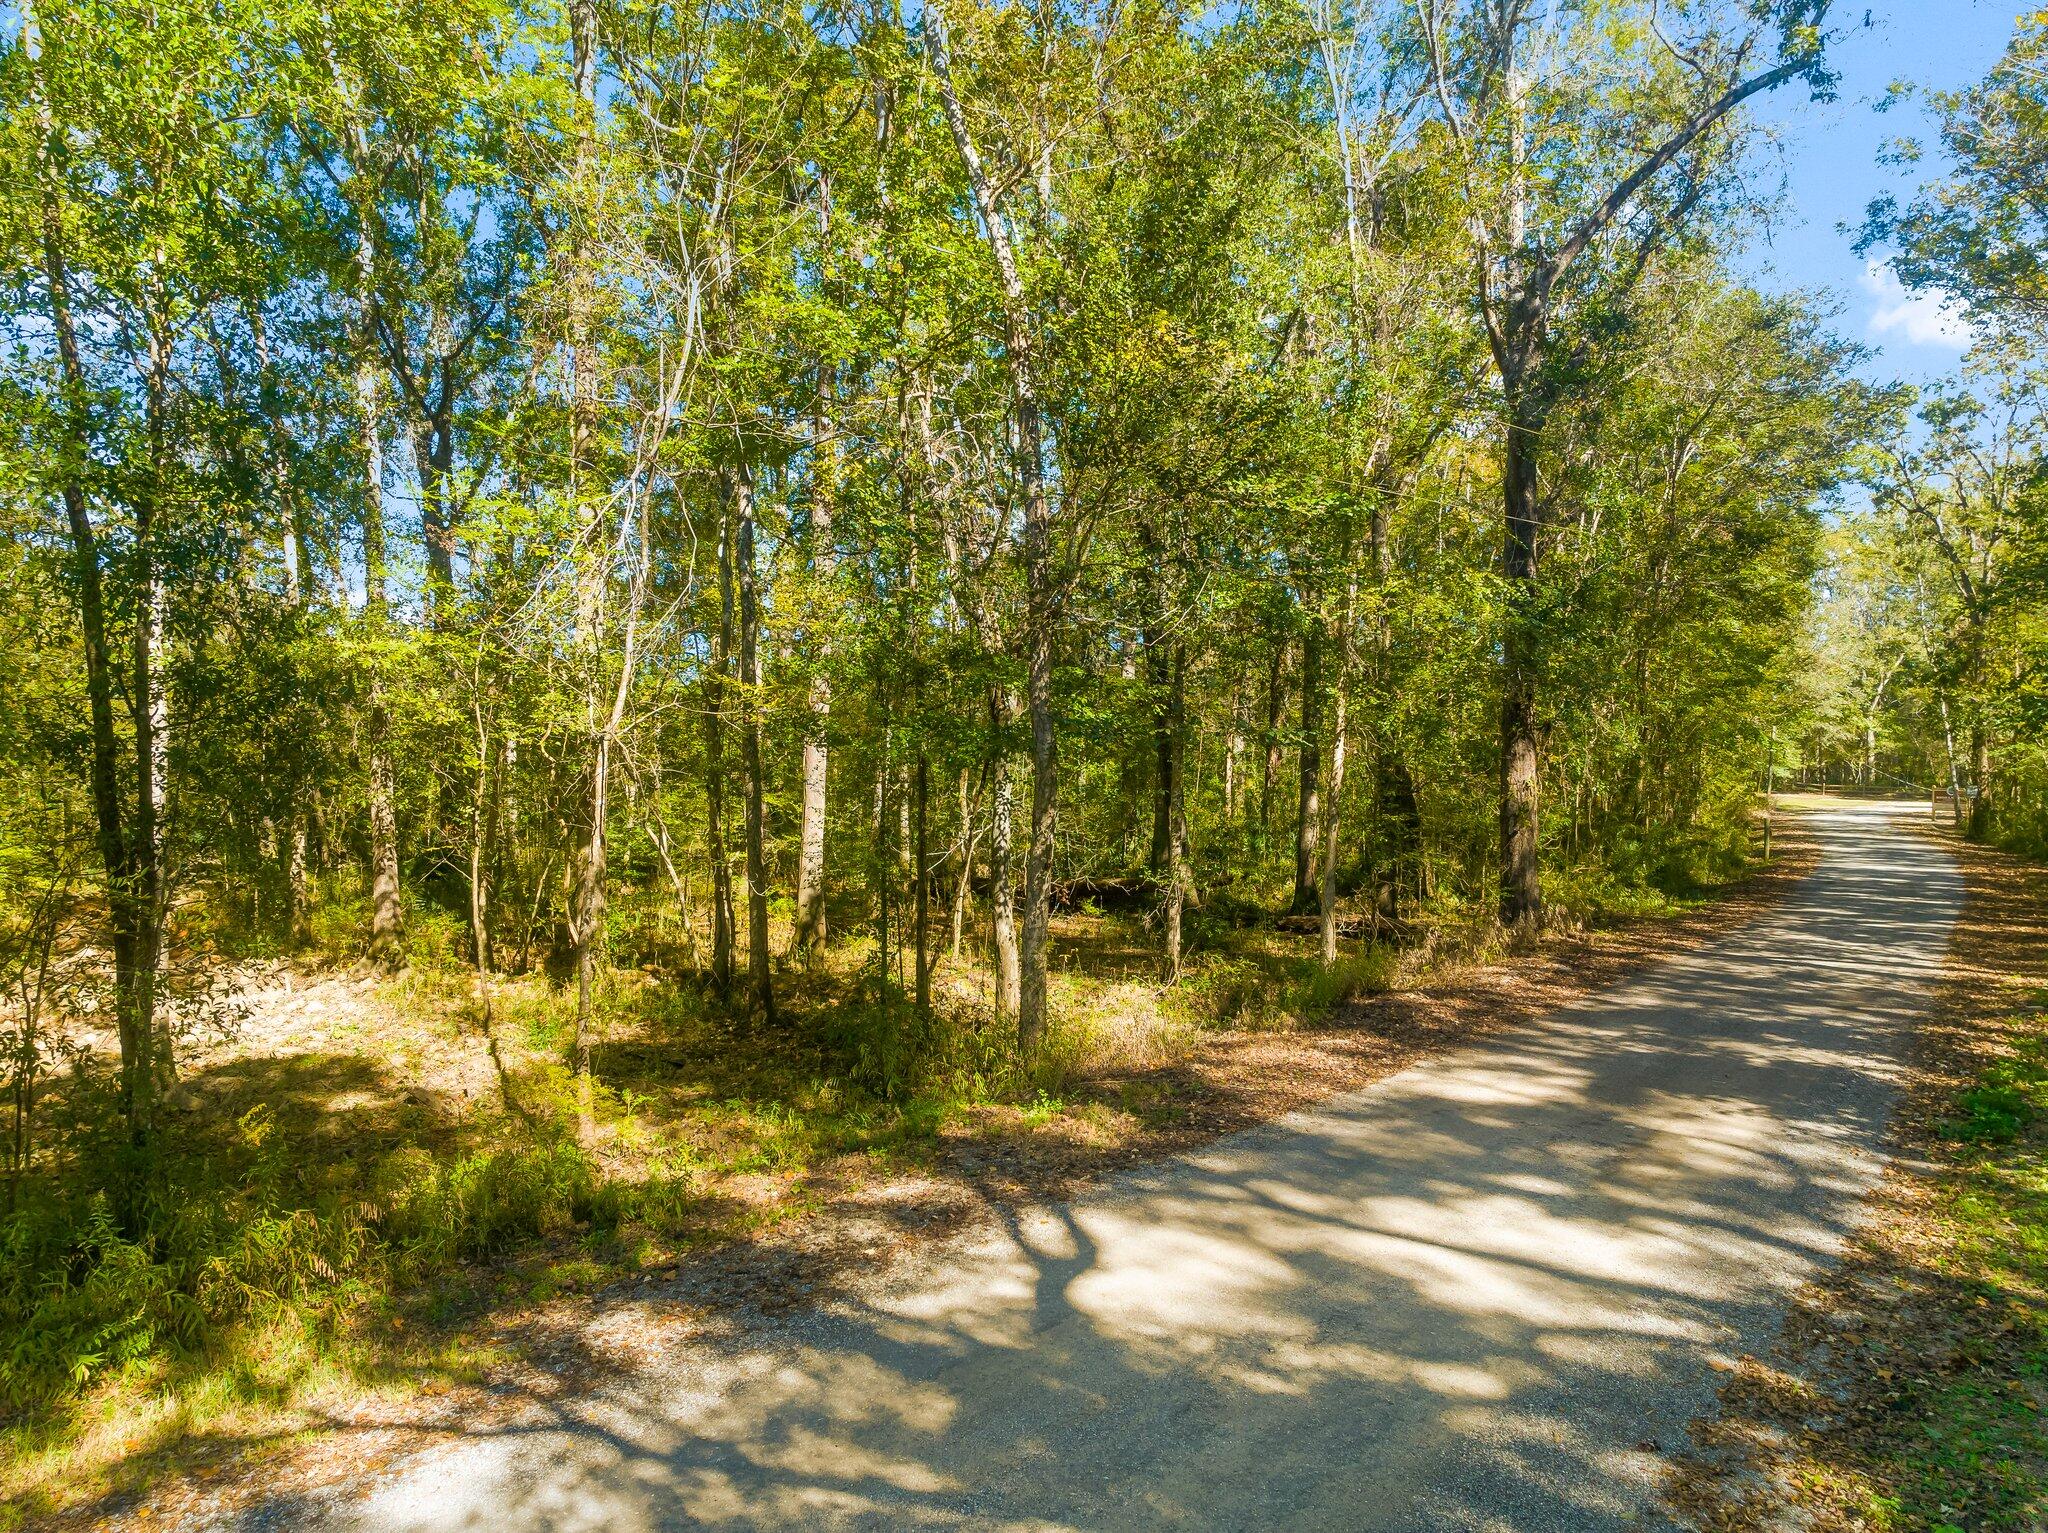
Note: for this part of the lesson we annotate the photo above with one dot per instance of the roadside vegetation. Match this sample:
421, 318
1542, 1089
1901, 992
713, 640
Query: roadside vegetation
361, 1184
1910, 1392
609, 612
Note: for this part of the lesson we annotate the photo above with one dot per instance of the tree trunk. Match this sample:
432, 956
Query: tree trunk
588, 928
760, 982
1521, 891
1980, 782
809, 936
1159, 680
434, 457
1002, 892
969, 836
884, 870
1233, 753
1276, 704
297, 893
1333, 801
301, 574
150, 704
1955, 779
920, 816
714, 774
1176, 869
1040, 614
124, 918
386, 921
1309, 817
1398, 826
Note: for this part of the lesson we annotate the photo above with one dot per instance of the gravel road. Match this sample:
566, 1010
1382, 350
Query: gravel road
1486, 1293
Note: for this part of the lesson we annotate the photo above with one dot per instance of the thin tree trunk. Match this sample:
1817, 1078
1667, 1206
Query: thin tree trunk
386, 921
970, 836
760, 982
1955, 780
1980, 782
301, 574
714, 774
135, 1029
590, 894
810, 934
1521, 890
1333, 800
483, 826
1040, 616
1176, 870
150, 704
385, 918
1002, 891
1276, 704
1233, 753
1309, 813
1159, 680
298, 896
920, 817
884, 869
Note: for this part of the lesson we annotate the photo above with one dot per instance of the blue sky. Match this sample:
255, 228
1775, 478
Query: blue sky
1829, 157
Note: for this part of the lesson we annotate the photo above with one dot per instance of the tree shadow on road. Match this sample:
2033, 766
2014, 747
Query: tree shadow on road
1483, 1294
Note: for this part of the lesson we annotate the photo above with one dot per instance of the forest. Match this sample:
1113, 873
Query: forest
737, 582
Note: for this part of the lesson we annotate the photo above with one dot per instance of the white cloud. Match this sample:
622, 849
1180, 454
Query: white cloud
1925, 319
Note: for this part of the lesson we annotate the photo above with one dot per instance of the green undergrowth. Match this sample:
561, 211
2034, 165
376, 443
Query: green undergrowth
1970, 1453
335, 1219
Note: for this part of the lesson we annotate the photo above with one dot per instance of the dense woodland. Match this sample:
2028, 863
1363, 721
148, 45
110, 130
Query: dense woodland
803, 509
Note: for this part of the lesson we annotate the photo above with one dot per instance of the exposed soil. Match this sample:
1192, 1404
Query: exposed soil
1891, 1322
858, 1210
